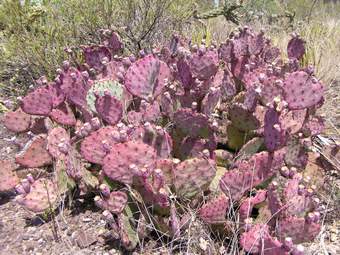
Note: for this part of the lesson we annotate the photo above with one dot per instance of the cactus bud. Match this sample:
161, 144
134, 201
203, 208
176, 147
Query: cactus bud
30, 178
105, 190
66, 65
26, 185
288, 243
298, 250
95, 123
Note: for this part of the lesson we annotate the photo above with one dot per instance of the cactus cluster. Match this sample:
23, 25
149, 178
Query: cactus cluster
219, 130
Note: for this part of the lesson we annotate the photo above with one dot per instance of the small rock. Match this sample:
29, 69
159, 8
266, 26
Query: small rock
333, 237
203, 244
25, 237
84, 239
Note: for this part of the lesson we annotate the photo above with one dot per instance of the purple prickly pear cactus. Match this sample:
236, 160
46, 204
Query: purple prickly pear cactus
95, 146
274, 134
17, 121
58, 141
42, 196
34, 153
128, 121
116, 164
109, 108
147, 77
8, 176
296, 47
214, 212
63, 115
302, 90
114, 202
38, 102
193, 175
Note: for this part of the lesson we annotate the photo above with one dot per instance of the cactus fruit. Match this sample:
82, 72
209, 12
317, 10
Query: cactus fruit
35, 153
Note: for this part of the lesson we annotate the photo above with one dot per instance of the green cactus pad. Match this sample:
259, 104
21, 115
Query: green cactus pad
113, 87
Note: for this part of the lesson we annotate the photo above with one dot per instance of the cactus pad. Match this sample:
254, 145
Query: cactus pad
57, 136
122, 155
242, 118
34, 153
193, 123
43, 195
114, 88
99, 143
301, 90
109, 109
146, 77
204, 65
17, 121
115, 203
274, 134
193, 176
63, 115
249, 174
215, 210
296, 48
38, 102
8, 176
